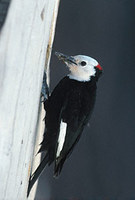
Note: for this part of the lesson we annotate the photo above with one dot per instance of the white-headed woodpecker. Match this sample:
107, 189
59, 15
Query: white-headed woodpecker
68, 110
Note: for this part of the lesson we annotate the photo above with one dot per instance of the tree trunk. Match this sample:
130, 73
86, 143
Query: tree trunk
25, 48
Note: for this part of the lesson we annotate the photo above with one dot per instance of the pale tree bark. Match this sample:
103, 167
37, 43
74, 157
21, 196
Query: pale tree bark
25, 48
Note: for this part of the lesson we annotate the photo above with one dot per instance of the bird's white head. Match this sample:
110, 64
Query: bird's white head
81, 67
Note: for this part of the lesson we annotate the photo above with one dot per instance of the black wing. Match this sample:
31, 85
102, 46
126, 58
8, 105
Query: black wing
76, 111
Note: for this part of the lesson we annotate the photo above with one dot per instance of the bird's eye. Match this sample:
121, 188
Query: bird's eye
83, 63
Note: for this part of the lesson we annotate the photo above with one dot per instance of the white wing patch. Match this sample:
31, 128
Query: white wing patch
61, 139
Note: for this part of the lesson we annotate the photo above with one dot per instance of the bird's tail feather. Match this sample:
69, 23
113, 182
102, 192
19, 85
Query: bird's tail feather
36, 174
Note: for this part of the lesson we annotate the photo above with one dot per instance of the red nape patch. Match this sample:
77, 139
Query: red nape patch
99, 67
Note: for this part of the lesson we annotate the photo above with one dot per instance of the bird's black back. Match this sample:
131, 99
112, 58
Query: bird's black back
72, 102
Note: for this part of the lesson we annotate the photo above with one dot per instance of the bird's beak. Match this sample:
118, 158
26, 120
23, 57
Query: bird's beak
65, 58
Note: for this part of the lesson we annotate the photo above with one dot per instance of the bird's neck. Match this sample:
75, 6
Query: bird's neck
80, 78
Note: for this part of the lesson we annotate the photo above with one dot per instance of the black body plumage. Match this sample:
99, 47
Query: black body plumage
72, 102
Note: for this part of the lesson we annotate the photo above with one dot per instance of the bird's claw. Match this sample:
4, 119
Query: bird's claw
45, 90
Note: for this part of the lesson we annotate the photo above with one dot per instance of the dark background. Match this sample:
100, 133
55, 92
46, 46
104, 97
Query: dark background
4, 4
102, 166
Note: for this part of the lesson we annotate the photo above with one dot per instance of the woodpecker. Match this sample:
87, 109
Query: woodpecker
68, 110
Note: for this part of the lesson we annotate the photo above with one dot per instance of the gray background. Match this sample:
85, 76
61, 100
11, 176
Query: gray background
102, 166
4, 4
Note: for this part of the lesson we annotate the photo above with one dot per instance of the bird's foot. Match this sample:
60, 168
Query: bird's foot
45, 90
